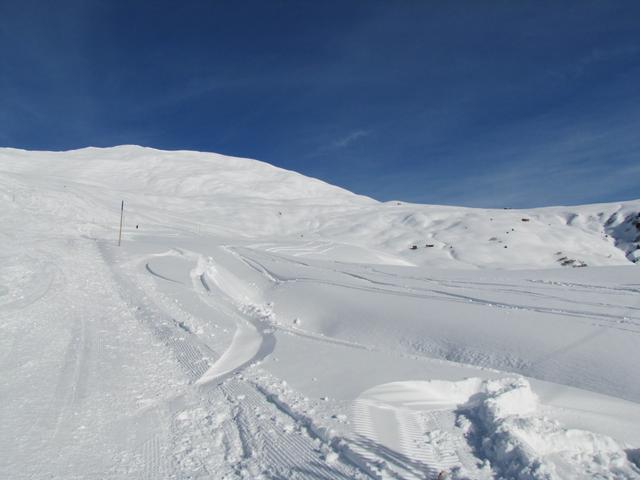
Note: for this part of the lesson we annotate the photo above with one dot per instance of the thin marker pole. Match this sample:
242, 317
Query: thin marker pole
121, 215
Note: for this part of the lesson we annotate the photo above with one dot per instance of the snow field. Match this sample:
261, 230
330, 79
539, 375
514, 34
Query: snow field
260, 324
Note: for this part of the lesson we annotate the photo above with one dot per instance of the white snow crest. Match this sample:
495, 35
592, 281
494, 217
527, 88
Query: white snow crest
506, 398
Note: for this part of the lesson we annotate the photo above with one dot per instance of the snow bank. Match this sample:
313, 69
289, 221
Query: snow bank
503, 422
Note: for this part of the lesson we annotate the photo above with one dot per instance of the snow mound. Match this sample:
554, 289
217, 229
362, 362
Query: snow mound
482, 429
504, 424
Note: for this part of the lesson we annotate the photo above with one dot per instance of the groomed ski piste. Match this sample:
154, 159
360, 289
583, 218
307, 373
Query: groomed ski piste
259, 324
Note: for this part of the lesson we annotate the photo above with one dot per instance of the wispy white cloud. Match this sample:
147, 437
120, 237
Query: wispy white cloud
553, 160
350, 138
328, 145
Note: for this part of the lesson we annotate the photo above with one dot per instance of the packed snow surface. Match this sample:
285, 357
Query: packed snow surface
257, 323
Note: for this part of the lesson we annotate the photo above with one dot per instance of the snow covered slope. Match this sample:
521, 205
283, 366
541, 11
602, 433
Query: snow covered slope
241, 197
256, 323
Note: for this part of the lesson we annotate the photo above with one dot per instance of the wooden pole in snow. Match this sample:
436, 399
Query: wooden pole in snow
121, 215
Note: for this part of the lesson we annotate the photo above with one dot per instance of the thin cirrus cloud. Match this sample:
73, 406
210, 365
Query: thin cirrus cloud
570, 166
350, 138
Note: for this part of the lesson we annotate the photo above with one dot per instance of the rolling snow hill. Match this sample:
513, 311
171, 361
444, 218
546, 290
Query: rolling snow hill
257, 323
251, 199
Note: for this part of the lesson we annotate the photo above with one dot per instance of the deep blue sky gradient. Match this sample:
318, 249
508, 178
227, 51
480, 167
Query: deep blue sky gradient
480, 103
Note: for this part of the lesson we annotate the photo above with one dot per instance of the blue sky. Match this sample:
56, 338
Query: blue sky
480, 103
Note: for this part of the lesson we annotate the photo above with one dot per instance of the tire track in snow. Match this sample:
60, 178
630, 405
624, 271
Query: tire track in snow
280, 443
152, 459
148, 439
72, 379
192, 355
414, 444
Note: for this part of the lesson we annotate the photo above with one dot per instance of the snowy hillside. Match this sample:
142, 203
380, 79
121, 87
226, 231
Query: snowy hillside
233, 196
257, 323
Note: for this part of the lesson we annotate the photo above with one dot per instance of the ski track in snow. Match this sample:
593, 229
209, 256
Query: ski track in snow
277, 439
622, 322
